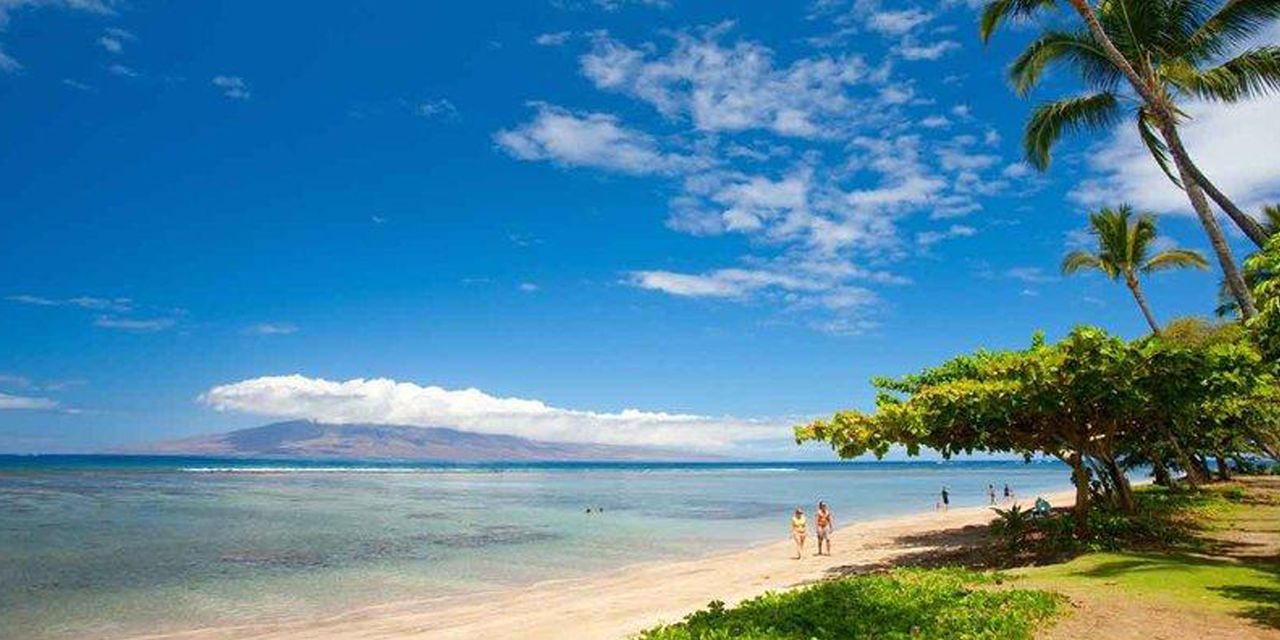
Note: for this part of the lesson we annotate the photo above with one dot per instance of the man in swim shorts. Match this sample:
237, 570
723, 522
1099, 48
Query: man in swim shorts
824, 524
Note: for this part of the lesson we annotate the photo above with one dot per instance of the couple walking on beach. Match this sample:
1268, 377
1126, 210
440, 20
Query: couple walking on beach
823, 524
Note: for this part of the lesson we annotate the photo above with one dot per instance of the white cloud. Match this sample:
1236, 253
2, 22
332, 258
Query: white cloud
911, 49
897, 22
529, 287
587, 140
134, 324
272, 329
119, 305
12, 402
233, 87
8, 64
439, 109
113, 39
118, 69
930, 238
935, 122
732, 88
722, 283
553, 39
1030, 275
389, 401
1235, 145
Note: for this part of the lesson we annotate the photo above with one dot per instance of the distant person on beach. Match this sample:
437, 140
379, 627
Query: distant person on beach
824, 524
1008, 493
799, 528
991, 493
1042, 506
946, 499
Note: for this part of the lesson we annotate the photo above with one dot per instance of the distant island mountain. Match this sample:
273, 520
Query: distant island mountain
307, 439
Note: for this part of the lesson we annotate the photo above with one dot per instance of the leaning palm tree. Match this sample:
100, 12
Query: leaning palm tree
1125, 250
1150, 54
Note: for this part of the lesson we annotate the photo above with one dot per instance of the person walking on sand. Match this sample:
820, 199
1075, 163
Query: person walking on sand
824, 524
946, 499
799, 528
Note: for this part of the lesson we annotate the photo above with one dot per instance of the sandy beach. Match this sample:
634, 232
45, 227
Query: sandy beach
626, 601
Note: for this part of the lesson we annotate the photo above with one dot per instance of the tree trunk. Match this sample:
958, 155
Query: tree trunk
1224, 471
1132, 280
1235, 281
1161, 473
1193, 476
1124, 492
1080, 478
1247, 224
1202, 466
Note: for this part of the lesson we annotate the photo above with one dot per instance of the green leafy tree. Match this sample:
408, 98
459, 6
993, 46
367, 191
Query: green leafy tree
1125, 250
1150, 55
1262, 268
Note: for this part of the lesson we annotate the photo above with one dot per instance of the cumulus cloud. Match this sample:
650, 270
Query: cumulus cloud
1235, 145
233, 87
731, 87
387, 401
587, 140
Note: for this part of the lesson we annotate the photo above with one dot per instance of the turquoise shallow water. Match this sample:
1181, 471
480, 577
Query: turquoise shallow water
109, 546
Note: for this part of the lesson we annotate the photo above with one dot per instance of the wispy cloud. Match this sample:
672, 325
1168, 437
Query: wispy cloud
113, 39
119, 305
233, 87
10, 402
272, 329
140, 325
436, 109
553, 39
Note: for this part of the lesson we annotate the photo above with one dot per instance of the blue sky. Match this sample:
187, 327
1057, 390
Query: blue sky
533, 217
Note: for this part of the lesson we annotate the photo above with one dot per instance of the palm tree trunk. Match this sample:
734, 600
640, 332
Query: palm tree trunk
1247, 224
1132, 281
1235, 281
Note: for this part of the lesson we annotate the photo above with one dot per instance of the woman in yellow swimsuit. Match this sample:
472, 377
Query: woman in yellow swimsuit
799, 527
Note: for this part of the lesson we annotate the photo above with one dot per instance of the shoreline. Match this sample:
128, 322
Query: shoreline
620, 602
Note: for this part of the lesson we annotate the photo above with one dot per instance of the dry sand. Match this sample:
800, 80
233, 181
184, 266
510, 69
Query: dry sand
624, 602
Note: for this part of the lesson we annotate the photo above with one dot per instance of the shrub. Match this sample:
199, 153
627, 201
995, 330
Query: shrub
905, 603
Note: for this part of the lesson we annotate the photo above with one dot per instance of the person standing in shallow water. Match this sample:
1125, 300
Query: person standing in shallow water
799, 528
824, 524
991, 493
946, 499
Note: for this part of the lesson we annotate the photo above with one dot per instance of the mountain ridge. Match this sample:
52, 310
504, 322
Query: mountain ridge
313, 439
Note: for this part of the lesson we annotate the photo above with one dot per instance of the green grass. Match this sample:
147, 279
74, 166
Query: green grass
906, 603
1207, 584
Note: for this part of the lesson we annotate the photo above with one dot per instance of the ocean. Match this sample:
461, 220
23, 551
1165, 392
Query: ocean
112, 546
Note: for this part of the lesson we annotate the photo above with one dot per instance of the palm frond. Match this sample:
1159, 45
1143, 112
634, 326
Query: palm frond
1271, 218
1050, 120
997, 11
1077, 49
1175, 259
1159, 151
1234, 24
1253, 73
1080, 260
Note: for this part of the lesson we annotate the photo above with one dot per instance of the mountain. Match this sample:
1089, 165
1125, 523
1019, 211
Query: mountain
307, 439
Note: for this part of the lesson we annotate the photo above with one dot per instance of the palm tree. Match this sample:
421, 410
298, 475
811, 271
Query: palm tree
1125, 250
1162, 50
